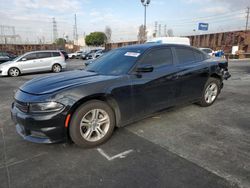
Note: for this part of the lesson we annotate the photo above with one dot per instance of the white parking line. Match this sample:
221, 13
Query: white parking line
120, 155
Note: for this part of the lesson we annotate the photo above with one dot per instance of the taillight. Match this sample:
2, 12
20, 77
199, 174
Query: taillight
62, 55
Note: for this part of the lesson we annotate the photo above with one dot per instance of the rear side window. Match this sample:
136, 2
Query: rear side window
55, 54
42, 55
31, 56
198, 55
185, 55
207, 50
158, 57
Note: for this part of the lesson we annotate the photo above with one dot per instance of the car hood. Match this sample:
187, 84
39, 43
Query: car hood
50, 84
7, 63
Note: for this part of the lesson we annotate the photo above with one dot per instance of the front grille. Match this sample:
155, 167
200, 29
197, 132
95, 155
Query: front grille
24, 107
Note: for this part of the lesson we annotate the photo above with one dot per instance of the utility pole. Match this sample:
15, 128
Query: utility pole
165, 30
55, 34
75, 29
248, 12
145, 3
156, 25
159, 30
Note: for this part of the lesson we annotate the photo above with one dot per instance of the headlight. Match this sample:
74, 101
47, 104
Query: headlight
45, 107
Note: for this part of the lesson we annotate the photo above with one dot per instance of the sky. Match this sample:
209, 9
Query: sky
33, 18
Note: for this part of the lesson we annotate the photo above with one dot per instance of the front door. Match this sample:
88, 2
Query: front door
28, 63
156, 90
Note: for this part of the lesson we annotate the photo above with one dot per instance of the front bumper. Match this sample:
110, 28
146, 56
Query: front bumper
3, 72
40, 128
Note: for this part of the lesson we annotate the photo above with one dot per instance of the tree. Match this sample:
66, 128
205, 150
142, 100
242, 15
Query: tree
141, 34
60, 42
95, 39
108, 33
170, 33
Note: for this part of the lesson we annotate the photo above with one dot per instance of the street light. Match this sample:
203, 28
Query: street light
145, 3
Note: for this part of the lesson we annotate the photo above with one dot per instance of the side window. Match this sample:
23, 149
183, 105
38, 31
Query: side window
42, 55
158, 57
198, 55
185, 55
55, 54
30, 56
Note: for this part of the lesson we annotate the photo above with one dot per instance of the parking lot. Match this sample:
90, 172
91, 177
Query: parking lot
187, 146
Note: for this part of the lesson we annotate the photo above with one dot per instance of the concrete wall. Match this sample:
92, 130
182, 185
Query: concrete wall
216, 41
223, 41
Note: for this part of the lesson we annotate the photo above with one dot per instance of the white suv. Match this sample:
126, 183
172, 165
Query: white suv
36, 61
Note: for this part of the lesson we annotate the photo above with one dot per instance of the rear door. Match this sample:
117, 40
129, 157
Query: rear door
153, 91
193, 72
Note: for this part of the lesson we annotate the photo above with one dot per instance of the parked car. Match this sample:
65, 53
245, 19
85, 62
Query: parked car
75, 54
5, 56
65, 54
95, 56
209, 51
36, 61
121, 87
90, 54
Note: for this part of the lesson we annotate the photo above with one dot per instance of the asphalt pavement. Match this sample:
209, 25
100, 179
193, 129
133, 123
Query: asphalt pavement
187, 146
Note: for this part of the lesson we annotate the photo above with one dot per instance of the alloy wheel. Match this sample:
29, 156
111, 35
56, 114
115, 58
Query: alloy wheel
211, 93
14, 72
94, 125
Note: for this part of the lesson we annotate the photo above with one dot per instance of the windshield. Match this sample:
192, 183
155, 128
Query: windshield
115, 62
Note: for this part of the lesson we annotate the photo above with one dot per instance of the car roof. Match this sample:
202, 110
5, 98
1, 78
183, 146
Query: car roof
146, 46
44, 51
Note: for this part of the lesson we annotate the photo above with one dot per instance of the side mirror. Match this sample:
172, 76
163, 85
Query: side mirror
144, 68
24, 59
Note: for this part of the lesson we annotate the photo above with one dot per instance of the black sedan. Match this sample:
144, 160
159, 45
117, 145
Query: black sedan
5, 56
121, 87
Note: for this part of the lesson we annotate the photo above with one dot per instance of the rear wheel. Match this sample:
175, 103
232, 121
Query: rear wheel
56, 68
210, 92
14, 72
92, 124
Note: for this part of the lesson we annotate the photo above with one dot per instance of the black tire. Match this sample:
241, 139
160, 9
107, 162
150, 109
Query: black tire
14, 72
75, 131
56, 68
204, 100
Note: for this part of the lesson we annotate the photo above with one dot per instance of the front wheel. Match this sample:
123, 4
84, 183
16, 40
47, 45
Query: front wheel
92, 124
14, 72
210, 92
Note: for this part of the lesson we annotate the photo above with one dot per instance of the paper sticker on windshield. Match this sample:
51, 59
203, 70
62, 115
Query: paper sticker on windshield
132, 54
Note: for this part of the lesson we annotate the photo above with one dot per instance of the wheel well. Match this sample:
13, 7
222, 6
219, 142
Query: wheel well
56, 64
216, 76
101, 97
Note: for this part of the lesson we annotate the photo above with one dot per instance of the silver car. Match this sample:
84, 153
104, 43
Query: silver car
36, 61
